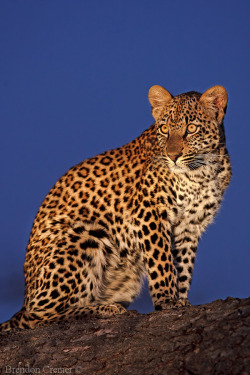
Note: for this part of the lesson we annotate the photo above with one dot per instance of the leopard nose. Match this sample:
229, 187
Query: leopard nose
174, 156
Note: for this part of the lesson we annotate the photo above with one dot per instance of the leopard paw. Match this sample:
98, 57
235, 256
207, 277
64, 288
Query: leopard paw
110, 310
182, 302
172, 304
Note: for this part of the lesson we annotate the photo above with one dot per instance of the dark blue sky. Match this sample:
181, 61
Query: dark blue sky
74, 79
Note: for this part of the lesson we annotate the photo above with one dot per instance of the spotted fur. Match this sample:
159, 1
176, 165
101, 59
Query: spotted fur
133, 211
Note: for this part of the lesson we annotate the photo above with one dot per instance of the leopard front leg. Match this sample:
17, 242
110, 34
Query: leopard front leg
161, 272
184, 246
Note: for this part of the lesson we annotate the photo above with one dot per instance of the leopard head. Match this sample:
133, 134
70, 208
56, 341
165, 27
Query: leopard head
189, 127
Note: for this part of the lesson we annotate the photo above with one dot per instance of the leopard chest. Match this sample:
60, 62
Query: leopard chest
194, 201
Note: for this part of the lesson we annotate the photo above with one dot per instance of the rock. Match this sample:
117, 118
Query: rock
207, 339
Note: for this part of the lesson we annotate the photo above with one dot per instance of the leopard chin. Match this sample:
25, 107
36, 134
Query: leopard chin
179, 169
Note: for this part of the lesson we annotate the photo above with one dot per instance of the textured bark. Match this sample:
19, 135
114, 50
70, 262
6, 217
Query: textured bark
207, 339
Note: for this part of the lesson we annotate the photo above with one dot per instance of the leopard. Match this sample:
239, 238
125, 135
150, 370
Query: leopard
130, 213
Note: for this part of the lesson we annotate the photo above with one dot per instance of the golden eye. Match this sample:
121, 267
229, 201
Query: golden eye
191, 128
164, 129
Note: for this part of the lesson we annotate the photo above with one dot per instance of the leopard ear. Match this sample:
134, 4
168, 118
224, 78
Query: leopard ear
158, 98
215, 102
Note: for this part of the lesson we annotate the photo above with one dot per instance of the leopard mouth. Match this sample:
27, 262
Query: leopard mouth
184, 165
179, 167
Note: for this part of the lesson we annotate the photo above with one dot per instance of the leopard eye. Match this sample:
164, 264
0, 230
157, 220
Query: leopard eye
164, 129
191, 128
